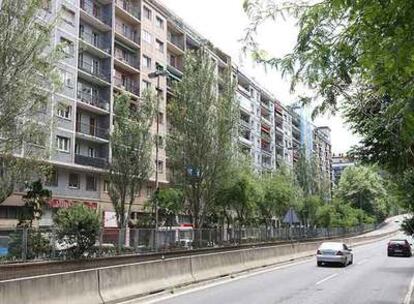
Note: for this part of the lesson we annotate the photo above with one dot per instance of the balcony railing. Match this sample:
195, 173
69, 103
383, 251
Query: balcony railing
132, 9
96, 41
94, 70
92, 130
266, 136
85, 160
127, 58
127, 32
93, 100
127, 84
176, 41
244, 123
94, 10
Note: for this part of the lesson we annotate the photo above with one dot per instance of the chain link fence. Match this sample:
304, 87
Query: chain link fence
43, 244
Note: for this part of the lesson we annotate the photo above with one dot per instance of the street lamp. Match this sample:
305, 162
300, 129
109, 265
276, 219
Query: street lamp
157, 74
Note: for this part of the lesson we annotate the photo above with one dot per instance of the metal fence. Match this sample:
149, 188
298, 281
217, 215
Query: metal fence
44, 243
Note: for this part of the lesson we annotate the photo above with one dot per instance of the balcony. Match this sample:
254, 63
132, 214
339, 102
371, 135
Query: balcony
96, 41
244, 123
128, 33
94, 10
266, 137
129, 8
92, 130
127, 58
176, 41
95, 70
127, 85
93, 100
266, 147
97, 162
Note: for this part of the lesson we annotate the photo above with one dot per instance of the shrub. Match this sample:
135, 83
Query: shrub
77, 228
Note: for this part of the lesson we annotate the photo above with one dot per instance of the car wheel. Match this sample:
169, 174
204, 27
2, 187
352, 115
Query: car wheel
319, 264
389, 254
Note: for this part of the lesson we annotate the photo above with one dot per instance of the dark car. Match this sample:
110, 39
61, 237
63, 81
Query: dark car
399, 247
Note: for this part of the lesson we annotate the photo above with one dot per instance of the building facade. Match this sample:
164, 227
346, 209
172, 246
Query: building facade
111, 47
256, 129
339, 163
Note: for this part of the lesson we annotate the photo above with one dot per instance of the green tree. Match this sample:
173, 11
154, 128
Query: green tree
363, 188
77, 227
34, 202
132, 163
240, 195
355, 55
203, 123
308, 212
27, 78
278, 195
170, 204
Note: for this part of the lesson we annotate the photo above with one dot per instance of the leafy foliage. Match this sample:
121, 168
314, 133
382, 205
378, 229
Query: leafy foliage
362, 187
131, 142
200, 142
34, 202
27, 64
354, 55
77, 228
37, 244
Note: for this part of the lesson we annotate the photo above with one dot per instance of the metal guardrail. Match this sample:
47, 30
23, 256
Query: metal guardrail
128, 7
94, 10
93, 100
96, 41
127, 84
85, 160
97, 71
92, 130
127, 32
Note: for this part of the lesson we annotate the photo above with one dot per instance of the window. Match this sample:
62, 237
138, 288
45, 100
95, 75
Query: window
146, 84
38, 139
160, 167
9, 212
150, 190
62, 143
147, 13
67, 78
74, 181
52, 178
160, 117
68, 16
90, 183
77, 149
64, 111
159, 22
106, 186
146, 36
67, 47
146, 62
91, 152
159, 45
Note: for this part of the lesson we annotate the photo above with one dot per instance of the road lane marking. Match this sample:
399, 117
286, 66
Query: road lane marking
407, 298
327, 278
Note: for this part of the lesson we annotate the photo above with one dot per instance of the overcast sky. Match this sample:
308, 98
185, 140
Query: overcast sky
223, 21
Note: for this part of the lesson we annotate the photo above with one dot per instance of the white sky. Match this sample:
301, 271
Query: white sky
223, 22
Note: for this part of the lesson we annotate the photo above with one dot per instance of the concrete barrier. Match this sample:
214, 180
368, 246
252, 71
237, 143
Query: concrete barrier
112, 284
68, 288
129, 281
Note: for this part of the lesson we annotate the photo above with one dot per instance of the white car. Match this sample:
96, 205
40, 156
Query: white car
333, 252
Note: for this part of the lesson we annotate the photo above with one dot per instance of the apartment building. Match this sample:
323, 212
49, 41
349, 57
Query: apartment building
111, 46
339, 163
322, 150
283, 136
257, 128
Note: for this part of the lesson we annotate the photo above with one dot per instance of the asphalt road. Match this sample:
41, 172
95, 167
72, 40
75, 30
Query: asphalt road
373, 278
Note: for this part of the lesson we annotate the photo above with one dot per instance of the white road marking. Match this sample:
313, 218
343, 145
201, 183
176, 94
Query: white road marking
327, 278
407, 298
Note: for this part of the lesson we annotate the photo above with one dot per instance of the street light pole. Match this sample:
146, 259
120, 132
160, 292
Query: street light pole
157, 74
